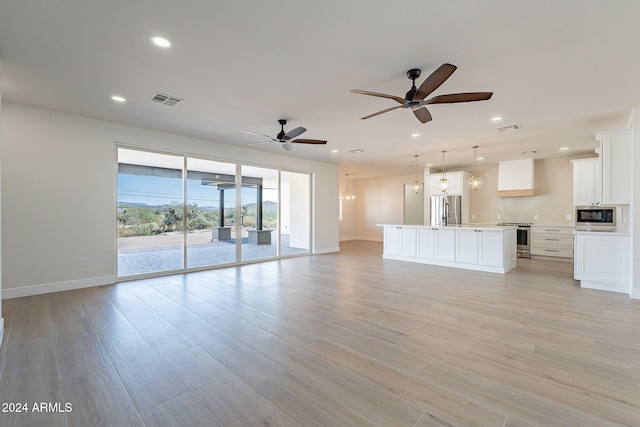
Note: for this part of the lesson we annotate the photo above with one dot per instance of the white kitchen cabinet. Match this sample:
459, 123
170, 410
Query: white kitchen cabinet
587, 181
400, 241
616, 156
491, 248
603, 261
437, 243
482, 247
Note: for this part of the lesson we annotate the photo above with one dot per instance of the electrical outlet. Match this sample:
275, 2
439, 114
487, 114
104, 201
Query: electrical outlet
83, 262
536, 217
499, 216
568, 217
473, 216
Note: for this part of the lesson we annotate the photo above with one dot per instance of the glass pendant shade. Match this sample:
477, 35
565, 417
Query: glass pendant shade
443, 184
475, 182
348, 196
417, 185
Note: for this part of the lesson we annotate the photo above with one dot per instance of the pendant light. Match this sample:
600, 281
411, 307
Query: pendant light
475, 182
443, 184
417, 185
348, 196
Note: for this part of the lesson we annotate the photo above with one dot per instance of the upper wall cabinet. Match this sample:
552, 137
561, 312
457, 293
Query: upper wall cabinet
587, 182
616, 154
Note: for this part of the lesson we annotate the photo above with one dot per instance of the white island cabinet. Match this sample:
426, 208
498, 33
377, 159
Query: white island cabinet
483, 248
603, 261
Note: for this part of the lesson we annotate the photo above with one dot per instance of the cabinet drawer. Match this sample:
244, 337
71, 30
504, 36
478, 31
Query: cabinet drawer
563, 252
552, 230
552, 239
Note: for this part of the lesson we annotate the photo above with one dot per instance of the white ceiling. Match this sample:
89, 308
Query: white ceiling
562, 69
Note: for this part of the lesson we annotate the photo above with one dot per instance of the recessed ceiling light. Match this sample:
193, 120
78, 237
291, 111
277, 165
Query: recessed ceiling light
117, 98
429, 164
480, 158
496, 118
357, 151
334, 151
564, 148
160, 41
415, 135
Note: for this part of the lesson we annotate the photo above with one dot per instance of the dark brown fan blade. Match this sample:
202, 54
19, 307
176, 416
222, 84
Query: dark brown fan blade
381, 112
293, 133
422, 114
308, 141
459, 97
381, 95
434, 81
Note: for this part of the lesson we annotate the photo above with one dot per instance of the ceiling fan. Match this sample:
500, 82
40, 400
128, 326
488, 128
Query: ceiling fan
286, 139
415, 98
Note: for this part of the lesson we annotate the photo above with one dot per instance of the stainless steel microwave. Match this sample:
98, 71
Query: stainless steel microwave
596, 215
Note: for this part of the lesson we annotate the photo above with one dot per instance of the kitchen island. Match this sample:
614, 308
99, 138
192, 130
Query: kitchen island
472, 247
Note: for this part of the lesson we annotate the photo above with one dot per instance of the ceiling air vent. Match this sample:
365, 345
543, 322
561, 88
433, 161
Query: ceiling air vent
511, 127
161, 98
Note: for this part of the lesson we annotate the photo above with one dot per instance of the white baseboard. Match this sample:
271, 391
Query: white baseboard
346, 239
369, 238
1, 330
326, 250
635, 293
25, 291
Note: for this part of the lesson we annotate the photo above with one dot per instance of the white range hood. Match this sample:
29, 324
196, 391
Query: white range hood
516, 178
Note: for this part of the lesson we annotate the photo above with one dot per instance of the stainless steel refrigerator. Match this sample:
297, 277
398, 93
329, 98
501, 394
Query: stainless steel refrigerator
446, 210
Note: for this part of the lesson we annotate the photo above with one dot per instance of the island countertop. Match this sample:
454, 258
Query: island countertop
453, 227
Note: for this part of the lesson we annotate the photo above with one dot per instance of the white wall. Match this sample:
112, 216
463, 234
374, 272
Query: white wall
1, 318
59, 193
635, 207
378, 201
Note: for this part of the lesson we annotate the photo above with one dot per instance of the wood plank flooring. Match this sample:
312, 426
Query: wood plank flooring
344, 339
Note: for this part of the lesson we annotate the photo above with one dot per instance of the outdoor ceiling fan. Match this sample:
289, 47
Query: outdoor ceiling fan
286, 138
415, 97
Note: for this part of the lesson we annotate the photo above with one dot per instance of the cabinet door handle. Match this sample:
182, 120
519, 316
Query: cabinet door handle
551, 250
554, 240
548, 229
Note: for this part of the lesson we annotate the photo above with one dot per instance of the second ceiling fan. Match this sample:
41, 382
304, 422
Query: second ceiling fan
286, 138
415, 97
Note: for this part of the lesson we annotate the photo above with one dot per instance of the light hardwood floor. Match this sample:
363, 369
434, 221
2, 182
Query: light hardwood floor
344, 339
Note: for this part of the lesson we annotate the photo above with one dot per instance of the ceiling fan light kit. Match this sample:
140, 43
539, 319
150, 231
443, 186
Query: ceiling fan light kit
415, 97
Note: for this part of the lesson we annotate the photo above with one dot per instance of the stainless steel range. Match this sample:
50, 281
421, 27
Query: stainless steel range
523, 233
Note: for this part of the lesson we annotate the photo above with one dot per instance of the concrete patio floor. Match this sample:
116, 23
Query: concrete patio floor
152, 254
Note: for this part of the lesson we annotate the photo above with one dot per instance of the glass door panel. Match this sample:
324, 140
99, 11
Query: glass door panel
211, 212
295, 211
150, 212
259, 215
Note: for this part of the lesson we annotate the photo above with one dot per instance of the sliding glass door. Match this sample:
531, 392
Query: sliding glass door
178, 213
259, 213
150, 212
211, 213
